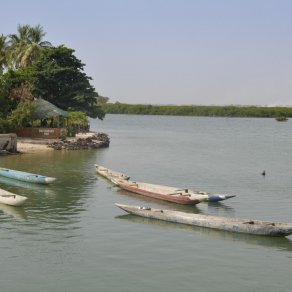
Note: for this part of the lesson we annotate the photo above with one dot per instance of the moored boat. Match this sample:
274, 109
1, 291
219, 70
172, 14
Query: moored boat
171, 194
166, 193
26, 176
110, 174
12, 199
256, 227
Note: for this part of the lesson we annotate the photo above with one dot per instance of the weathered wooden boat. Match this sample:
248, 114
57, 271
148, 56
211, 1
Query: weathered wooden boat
248, 226
11, 199
26, 176
171, 194
110, 174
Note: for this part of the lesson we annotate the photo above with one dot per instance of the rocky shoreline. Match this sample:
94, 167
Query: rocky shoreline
93, 141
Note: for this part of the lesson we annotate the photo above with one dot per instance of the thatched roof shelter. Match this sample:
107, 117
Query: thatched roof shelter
45, 110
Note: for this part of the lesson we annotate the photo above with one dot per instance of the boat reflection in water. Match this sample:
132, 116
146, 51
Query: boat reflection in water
36, 188
219, 209
17, 213
157, 202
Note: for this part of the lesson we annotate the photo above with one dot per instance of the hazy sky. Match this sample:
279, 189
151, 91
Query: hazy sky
172, 51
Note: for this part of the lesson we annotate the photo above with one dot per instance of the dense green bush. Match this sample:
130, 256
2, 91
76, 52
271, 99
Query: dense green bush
281, 118
77, 122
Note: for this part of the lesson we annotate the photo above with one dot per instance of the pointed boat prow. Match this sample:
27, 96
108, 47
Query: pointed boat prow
11, 199
218, 198
49, 180
111, 175
26, 176
123, 207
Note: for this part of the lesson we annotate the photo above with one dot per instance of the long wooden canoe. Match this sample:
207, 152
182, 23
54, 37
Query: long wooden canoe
11, 199
171, 194
26, 176
166, 193
248, 226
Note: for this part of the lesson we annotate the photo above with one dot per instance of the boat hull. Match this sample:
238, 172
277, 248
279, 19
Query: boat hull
26, 176
11, 199
179, 199
255, 227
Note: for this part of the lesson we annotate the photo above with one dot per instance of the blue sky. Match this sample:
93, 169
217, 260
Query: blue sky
172, 51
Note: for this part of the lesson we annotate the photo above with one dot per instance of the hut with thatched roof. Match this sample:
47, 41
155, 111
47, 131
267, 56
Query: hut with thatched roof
52, 122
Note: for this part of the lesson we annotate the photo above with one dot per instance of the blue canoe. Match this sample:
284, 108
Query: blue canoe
26, 176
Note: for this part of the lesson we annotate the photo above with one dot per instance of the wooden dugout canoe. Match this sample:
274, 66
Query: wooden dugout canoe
248, 226
26, 176
166, 193
11, 199
171, 194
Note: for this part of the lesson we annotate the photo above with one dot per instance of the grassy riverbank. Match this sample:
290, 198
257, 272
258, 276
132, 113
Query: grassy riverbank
198, 110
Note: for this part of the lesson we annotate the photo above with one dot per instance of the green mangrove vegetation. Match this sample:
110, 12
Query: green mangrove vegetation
281, 118
197, 110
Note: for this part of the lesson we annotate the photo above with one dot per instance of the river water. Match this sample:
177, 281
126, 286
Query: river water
69, 236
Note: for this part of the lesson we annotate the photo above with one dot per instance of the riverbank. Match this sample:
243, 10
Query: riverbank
90, 140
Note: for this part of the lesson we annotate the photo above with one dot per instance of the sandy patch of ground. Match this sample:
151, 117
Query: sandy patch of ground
32, 146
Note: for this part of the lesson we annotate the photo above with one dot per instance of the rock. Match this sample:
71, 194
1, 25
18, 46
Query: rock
92, 141
8, 142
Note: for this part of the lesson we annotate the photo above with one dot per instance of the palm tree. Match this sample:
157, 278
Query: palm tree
3, 53
25, 47
17, 44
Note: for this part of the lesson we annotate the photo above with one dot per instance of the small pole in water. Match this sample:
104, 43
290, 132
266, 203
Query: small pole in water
264, 173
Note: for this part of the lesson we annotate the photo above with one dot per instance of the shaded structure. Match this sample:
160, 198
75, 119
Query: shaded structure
47, 110
52, 121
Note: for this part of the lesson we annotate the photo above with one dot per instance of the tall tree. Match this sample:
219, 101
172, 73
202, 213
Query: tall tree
59, 78
26, 46
15, 98
3, 53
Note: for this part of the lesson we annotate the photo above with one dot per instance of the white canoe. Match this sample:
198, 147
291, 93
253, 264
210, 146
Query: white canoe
11, 198
248, 226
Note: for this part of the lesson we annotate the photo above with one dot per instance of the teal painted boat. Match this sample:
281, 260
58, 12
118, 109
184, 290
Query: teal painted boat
248, 226
26, 176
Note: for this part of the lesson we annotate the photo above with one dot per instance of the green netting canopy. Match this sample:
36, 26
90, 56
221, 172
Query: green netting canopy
45, 110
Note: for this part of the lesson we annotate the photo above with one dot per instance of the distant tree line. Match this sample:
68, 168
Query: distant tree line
197, 110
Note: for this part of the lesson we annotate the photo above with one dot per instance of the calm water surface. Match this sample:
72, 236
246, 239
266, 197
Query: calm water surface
70, 237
